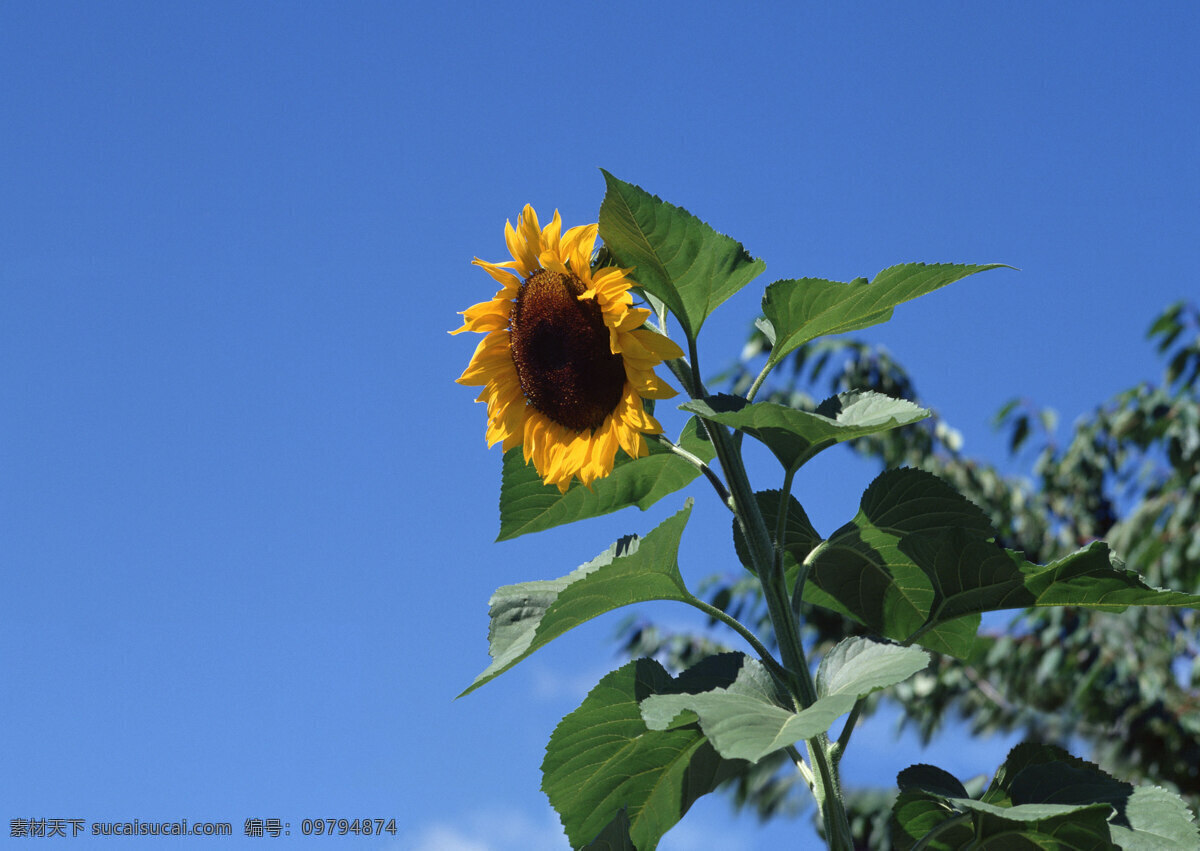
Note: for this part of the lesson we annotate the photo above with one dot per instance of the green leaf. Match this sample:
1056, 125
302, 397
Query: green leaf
1048, 798
1090, 578
528, 505
753, 716
969, 575
916, 814
918, 562
602, 759
799, 536
863, 573
960, 823
676, 257
1143, 818
796, 436
972, 576
930, 778
748, 719
1154, 819
529, 615
857, 666
802, 310
933, 800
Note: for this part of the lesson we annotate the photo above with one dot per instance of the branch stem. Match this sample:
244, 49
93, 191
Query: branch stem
698, 463
750, 638
758, 382
767, 560
802, 767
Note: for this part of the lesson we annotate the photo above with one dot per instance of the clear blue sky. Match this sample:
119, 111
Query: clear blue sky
246, 516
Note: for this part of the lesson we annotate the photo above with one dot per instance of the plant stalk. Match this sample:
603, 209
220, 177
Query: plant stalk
827, 788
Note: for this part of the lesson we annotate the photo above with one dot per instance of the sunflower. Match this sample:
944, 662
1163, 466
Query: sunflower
565, 362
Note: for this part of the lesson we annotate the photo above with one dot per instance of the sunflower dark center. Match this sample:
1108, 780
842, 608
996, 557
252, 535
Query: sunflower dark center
561, 351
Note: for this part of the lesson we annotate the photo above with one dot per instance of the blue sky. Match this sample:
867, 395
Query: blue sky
246, 516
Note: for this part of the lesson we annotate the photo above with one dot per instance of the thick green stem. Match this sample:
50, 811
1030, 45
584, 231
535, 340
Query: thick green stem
769, 569
787, 634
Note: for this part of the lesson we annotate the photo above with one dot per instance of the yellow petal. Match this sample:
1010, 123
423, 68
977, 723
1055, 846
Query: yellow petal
501, 272
552, 232
578, 246
524, 256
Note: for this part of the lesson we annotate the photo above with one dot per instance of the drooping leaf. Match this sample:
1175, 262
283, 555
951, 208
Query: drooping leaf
753, 717
1079, 827
602, 759
675, 256
1061, 827
799, 537
929, 804
918, 561
795, 436
972, 576
802, 310
528, 505
863, 572
1045, 797
529, 615
1090, 578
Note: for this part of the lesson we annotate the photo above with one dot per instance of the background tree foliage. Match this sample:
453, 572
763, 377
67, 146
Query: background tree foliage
1129, 473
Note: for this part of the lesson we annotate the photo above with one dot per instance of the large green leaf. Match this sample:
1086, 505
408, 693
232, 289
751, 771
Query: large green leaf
602, 759
528, 505
1045, 798
676, 257
1093, 579
796, 436
802, 310
753, 717
960, 820
969, 574
972, 576
919, 560
863, 573
529, 615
